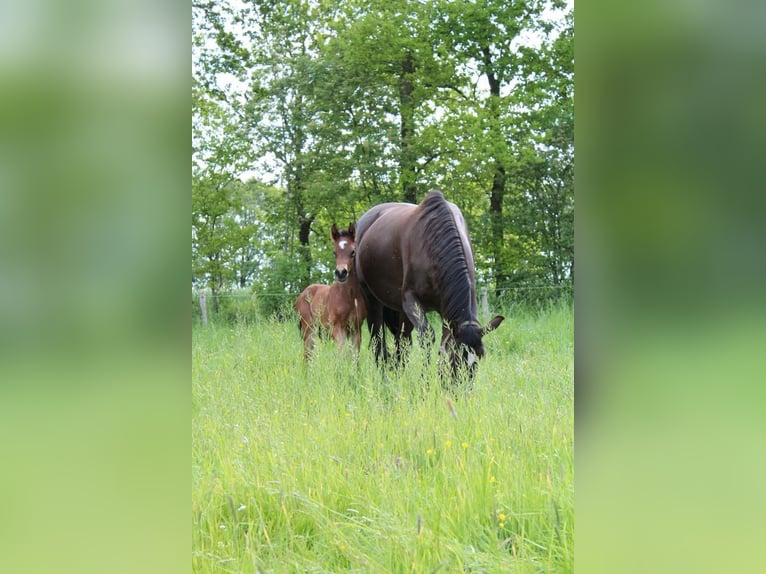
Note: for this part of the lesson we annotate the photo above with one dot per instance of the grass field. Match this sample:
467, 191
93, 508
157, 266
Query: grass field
338, 467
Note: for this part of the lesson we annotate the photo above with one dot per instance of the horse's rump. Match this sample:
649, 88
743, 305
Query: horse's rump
311, 304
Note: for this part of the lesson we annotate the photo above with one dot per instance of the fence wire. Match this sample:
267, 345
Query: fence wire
245, 295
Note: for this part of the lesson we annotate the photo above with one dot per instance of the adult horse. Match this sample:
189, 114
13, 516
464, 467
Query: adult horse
412, 259
338, 308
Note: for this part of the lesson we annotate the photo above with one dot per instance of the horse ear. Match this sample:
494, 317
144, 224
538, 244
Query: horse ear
352, 229
493, 324
334, 232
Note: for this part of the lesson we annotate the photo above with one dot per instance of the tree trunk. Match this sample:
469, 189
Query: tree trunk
497, 192
203, 307
498, 236
214, 292
407, 114
304, 231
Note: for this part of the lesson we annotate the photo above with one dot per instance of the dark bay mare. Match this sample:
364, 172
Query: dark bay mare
412, 259
339, 308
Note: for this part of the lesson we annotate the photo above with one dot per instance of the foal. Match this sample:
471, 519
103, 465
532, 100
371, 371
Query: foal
338, 308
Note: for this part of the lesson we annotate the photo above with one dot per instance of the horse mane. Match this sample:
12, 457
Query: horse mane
444, 246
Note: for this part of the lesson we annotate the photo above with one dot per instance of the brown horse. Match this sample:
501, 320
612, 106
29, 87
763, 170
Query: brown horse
338, 308
418, 258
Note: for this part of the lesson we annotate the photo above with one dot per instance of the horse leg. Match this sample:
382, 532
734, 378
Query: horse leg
304, 307
401, 328
339, 334
353, 333
356, 338
414, 312
377, 331
417, 316
405, 337
308, 341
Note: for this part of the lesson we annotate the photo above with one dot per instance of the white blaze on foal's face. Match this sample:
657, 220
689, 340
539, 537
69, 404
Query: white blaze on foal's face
342, 244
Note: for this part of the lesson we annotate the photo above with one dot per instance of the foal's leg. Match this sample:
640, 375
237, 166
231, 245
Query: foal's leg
355, 336
305, 307
308, 341
339, 334
304, 323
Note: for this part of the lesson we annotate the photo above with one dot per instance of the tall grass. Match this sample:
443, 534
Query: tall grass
337, 467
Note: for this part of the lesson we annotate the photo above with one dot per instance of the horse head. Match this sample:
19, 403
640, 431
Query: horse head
461, 345
344, 251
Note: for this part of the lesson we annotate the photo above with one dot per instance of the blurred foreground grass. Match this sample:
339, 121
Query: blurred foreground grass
671, 318
94, 403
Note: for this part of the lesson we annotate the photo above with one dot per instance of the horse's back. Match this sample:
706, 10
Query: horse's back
373, 214
388, 222
379, 249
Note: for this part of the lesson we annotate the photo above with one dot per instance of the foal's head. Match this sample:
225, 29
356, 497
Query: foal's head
344, 251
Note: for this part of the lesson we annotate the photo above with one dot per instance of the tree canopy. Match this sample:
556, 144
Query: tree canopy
307, 113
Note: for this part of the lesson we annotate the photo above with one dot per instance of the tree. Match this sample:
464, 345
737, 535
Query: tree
281, 106
385, 50
490, 109
548, 177
334, 107
217, 154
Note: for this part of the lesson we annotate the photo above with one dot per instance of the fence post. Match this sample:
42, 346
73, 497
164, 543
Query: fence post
484, 303
203, 306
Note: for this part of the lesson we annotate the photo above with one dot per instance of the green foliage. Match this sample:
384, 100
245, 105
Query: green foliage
334, 108
336, 467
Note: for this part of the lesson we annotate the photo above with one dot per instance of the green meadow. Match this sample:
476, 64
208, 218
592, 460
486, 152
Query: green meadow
337, 466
